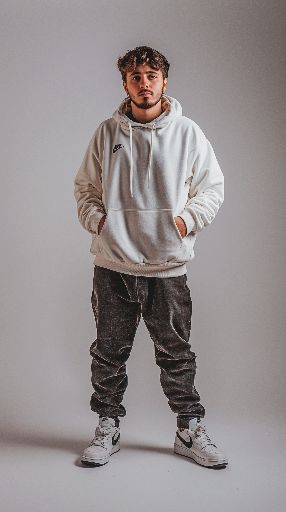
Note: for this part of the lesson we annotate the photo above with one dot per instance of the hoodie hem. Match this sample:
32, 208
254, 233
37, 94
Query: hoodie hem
142, 270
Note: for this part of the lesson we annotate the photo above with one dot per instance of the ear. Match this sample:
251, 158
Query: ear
165, 81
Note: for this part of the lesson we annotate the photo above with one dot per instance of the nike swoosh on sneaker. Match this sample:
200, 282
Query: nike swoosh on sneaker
188, 444
114, 441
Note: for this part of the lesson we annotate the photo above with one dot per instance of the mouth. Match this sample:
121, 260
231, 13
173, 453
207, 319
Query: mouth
145, 93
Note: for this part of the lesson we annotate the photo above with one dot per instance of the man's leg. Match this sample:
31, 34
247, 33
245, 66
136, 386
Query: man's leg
167, 314
117, 317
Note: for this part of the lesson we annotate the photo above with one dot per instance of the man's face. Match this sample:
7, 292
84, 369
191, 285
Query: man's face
145, 86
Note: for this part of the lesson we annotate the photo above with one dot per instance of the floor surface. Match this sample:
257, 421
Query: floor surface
42, 471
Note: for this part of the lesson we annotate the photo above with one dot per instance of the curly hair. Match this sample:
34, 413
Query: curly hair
142, 55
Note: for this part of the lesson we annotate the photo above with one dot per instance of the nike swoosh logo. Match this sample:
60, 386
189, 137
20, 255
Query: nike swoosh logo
116, 147
188, 444
114, 441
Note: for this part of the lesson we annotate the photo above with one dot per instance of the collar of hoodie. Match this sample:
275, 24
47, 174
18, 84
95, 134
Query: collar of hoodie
171, 108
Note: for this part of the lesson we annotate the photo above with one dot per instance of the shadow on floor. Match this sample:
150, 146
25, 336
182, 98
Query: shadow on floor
75, 446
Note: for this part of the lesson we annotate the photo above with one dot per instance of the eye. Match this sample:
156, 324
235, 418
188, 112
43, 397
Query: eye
137, 77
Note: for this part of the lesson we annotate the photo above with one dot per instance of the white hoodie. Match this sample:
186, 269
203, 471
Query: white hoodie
143, 175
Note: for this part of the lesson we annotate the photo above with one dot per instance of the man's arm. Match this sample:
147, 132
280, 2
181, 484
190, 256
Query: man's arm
206, 193
88, 187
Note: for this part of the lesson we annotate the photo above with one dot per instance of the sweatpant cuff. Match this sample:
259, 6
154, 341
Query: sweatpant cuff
184, 422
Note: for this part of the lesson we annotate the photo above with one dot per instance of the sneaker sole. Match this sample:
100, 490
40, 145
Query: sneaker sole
218, 464
88, 461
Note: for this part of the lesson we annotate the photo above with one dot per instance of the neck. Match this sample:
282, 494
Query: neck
146, 115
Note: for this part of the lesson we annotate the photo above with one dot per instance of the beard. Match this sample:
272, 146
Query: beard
147, 102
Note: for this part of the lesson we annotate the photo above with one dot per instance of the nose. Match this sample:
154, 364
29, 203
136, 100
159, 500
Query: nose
144, 83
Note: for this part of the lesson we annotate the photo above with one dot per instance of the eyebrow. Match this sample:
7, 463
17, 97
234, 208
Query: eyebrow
138, 72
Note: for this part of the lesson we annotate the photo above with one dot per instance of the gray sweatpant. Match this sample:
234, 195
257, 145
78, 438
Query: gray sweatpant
118, 300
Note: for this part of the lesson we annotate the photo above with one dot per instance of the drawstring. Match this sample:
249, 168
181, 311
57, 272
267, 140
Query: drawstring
131, 160
150, 154
131, 157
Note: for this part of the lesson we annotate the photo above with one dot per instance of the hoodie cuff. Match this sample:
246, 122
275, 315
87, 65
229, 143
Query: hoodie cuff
189, 220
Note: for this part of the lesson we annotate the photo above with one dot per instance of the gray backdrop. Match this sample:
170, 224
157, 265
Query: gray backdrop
59, 82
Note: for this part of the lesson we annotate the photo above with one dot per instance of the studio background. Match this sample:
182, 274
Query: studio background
60, 81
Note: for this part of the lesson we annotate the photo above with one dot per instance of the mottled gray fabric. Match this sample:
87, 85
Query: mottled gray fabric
118, 300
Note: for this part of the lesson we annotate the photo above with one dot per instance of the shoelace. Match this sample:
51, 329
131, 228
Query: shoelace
201, 432
100, 437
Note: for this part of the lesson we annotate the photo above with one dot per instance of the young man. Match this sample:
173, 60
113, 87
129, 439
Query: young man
148, 184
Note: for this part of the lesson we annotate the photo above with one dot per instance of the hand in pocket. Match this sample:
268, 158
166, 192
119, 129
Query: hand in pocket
101, 222
180, 223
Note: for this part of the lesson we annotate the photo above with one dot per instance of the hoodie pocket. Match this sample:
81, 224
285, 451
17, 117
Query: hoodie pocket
142, 236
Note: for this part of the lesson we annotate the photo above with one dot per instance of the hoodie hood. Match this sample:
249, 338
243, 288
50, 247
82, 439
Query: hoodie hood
171, 109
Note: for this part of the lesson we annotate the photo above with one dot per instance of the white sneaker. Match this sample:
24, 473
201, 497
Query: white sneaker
196, 444
105, 443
